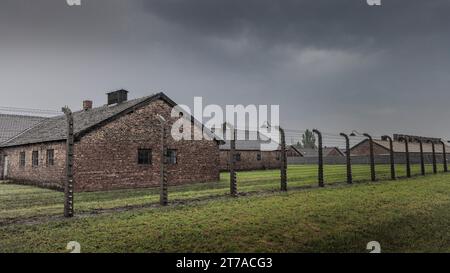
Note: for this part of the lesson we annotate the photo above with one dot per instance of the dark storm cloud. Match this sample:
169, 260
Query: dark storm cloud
345, 24
336, 64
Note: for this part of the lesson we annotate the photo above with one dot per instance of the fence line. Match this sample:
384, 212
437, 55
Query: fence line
324, 170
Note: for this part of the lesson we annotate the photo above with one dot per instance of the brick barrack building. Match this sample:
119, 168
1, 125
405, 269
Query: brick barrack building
117, 146
381, 147
250, 154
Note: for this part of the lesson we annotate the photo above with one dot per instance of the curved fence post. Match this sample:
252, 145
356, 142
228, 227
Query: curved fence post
68, 185
163, 194
232, 158
422, 160
283, 170
392, 157
433, 149
349, 162
372, 158
233, 180
444, 154
320, 170
408, 162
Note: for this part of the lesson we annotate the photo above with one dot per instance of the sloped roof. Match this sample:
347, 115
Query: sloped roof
247, 145
413, 147
55, 129
399, 147
314, 152
12, 125
308, 152
328, 150
295, 149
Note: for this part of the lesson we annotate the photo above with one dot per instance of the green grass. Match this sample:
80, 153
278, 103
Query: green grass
18, 202
410, 215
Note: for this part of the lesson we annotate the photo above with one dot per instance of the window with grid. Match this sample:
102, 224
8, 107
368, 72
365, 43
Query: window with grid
22, 159
144, 156
35, 158
50, 157
171, 156
258, 156
237, 157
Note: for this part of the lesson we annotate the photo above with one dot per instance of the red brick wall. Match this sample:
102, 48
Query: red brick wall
48, 176
292, 153
107, 157
364, 149
269, 160
334, 152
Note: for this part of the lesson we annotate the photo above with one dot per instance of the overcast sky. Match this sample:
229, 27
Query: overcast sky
334, 65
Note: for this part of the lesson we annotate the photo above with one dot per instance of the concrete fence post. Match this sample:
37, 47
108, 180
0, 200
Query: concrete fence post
348, 158
444, 156
283, 167
433, 149
372, 158
408, 162
391, 157
320, 169
68, 185
163, 195
422, 159
233, 180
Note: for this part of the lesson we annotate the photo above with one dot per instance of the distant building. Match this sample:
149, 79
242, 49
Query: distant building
314, 152
292, 151
381, 146
249, 153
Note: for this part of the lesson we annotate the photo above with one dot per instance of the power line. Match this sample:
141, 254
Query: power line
29, 111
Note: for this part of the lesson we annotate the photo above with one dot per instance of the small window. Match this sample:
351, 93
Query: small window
258, 156
237, 157
278, 156
22, 159
35, 158
171, 156
144, 156
50, 157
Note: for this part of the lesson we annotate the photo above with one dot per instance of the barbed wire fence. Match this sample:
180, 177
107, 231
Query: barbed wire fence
27, 112
334, 160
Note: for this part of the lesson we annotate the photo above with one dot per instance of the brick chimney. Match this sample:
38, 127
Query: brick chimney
87, 105
118, 96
